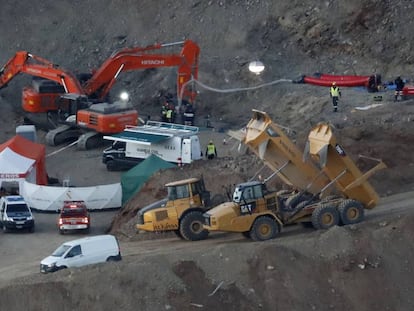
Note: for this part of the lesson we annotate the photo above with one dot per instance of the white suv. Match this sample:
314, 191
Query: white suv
15, 214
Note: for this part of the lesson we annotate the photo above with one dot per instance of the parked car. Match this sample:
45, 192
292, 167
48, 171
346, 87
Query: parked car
15, 214
74, 215
82, 252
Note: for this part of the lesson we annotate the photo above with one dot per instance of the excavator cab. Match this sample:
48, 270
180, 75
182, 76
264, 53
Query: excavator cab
69, 105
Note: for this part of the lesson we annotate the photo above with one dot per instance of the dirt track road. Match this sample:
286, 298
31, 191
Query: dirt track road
21, 252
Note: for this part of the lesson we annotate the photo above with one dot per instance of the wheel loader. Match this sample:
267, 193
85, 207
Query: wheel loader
327, 188
181, 211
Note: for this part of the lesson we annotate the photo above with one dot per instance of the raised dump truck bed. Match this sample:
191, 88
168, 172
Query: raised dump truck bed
270, 143
327, 187
340, 168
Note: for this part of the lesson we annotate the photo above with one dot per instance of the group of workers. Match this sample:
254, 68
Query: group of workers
335, 92
169, 111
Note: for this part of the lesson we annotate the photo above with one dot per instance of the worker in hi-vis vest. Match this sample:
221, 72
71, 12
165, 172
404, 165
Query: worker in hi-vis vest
211, 150
335, 94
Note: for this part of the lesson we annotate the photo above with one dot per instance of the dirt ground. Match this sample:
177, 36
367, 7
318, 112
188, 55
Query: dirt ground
362, 267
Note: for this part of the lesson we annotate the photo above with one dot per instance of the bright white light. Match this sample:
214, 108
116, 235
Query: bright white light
256, 67
124, 96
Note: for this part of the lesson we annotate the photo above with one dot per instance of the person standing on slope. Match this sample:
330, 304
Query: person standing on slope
335, 94
211, 150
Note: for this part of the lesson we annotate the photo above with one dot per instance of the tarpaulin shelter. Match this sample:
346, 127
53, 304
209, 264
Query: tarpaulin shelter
22, 159
134, 179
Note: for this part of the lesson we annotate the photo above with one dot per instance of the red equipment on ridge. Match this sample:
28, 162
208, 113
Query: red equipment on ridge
370, 82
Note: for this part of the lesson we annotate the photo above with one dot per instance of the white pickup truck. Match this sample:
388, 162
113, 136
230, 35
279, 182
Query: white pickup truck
175, 143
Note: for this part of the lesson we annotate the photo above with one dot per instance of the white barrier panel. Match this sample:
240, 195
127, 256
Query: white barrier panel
46, 198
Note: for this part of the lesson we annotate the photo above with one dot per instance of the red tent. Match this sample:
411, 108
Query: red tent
19, 155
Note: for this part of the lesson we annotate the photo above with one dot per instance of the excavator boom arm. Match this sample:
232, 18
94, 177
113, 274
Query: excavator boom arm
140, 58
23, 62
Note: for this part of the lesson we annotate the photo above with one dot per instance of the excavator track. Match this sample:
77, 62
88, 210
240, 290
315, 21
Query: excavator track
90, 140
62, 134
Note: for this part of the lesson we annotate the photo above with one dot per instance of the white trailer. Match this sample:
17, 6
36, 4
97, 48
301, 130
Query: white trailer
175, 143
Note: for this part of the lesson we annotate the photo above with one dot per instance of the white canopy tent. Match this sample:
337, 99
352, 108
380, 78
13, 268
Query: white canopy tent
15, 167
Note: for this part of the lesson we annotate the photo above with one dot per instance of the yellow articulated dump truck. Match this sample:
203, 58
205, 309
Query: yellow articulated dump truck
327, 187
181, 212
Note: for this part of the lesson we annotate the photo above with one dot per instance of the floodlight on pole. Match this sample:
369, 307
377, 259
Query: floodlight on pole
256, 67
124, 96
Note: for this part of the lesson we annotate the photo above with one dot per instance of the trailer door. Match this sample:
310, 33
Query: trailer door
186, 151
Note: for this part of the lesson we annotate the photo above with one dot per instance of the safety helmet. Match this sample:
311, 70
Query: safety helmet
210, 142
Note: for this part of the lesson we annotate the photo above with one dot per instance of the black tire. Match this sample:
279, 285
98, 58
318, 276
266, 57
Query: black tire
32, 229
61, 231
191, 226
111, 165
246, 234
325, 216
4, 228
351, 212
110, 259
264, 228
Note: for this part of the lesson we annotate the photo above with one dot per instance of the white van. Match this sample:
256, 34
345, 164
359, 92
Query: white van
82, 252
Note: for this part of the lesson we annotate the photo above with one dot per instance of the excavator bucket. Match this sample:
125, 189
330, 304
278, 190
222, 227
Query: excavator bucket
339, 167
270, 143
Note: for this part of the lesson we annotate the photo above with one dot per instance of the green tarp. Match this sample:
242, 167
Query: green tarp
134, 179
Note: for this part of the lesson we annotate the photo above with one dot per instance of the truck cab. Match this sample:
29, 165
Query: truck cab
15, 214
181, 211
115, 159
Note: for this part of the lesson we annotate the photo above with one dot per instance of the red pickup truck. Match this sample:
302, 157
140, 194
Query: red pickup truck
74, 216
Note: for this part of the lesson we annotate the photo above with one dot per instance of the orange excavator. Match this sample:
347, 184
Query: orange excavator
79, 102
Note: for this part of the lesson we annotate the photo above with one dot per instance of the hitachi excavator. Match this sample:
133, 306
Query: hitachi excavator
327, 188
78, 102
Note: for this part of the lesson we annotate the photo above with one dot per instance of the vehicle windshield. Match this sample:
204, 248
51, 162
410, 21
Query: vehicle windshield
61, 250
17, 208
178, 192
73, 212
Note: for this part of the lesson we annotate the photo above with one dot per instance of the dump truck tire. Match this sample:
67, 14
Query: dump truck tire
111, 165
191, 227
351, 212
264, 228
325, 216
